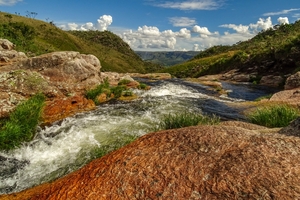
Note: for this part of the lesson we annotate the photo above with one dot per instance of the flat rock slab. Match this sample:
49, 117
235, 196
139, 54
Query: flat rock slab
203, 162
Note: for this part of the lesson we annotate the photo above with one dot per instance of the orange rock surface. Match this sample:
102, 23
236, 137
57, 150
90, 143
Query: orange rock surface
61, 108
203, 162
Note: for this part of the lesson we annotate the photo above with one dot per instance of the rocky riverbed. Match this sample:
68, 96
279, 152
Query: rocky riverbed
231, 160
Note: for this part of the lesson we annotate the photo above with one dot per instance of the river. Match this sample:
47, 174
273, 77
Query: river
71, 143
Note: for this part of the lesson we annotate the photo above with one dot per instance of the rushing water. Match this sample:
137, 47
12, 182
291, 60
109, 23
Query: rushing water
69, 144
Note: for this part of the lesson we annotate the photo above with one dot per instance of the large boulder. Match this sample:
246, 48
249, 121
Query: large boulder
291, 97
271, 81
228, 161
8, 54
61, 76
292, 81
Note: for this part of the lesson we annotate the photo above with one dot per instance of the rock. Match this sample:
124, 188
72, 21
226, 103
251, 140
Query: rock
292, 81
61, 108
58, 75
101, 98
112, 77
69, 71
6, 44
271, 81
203, 162
291, 97
241, 78
293, 129
156, 76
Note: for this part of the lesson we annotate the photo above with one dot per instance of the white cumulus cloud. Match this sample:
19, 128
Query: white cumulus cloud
203, 31
283, 20
103, 22
184, 33
149, 31
238, 28
263, 24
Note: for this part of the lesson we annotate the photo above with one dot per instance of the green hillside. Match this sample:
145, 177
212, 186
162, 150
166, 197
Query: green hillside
274, 51
35, 37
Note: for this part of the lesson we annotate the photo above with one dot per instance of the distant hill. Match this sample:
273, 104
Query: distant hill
167, 58
275, 51
35, 37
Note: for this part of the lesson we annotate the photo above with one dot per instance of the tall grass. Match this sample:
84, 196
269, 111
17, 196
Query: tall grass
274, 116
185, 119
22, 122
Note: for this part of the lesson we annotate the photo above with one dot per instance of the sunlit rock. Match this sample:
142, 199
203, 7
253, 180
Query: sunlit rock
228, 161
292, 81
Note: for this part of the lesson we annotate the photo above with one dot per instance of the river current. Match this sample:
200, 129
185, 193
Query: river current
69, 144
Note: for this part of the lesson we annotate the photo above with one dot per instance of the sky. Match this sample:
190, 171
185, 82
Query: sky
163, 25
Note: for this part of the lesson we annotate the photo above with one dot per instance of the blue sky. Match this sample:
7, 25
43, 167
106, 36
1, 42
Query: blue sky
164, 25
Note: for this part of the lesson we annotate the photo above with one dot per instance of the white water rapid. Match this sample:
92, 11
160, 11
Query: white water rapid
68, 145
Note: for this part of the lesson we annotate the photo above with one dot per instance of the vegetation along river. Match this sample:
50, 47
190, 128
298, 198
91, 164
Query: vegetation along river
69, 144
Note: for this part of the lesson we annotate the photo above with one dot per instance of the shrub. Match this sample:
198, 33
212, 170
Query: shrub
185, 119
22, 122
118, 90
142, 86
274, 116
124, 82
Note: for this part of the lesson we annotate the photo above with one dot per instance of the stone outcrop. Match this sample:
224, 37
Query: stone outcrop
271, 81
291, 97
292, 81
61, 108
61, 76
8, 54
227, 161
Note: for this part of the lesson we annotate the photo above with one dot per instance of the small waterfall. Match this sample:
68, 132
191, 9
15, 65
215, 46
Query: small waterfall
68, 145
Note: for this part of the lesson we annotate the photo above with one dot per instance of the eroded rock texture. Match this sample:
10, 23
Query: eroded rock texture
228, 161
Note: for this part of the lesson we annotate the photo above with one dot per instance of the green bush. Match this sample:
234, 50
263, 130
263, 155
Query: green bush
185, 119
274, 116
124, 82
118, 90
22, 122
142, 86
107, 89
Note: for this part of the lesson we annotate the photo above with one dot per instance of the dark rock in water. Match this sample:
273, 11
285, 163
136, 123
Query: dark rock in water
8, 167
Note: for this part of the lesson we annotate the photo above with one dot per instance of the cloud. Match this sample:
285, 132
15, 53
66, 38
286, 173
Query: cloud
184, 33
263, 24
103, 22
193, 5
149, 31
182, 21
9, 2
281, 12
238, 28
283, 20
203, 31
196, 47
87, 26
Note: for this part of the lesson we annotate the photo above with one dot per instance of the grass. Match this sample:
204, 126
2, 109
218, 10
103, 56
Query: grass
110, 91
22, 122
186, 119
274, 116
